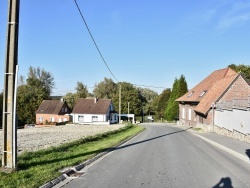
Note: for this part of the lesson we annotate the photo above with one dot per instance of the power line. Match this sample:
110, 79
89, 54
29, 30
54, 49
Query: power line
148, 86
94, 40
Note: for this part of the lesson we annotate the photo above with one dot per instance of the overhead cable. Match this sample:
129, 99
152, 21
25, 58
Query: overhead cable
94, 41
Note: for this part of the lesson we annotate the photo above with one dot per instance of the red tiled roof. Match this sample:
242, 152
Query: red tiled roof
89, 106
212, 88
50, 107
216, 91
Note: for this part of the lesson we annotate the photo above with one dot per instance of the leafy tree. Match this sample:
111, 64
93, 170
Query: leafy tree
38, 87
106, 89
244, 69
149, 97
162, 102
70, 98
81, 90
179, 89
128, 94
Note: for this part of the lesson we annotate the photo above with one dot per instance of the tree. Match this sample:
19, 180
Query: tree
162, 102
179, 89
70, 98
81, 90
106, 89
149, 98
128, 94
244, 69
37, 88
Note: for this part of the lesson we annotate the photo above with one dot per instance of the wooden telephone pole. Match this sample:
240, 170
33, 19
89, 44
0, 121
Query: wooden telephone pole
9, 112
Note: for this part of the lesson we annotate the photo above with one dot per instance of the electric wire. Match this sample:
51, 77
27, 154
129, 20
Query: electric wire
94, 40
100, 51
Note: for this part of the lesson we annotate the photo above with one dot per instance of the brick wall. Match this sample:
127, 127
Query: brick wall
187, 115
57, 118
238, 90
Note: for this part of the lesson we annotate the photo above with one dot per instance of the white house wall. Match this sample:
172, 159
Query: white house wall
87, 118
235, 119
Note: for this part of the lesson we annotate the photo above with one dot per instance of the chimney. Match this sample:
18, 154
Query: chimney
96, 99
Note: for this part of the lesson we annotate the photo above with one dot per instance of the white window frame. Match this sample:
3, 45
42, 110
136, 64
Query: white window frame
189, 114
80, 118
52, 119
40, 119
94, 118
183, 113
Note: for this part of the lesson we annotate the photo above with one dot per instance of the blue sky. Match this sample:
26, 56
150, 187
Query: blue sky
144, 42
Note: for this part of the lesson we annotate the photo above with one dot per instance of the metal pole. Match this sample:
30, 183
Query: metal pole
119, 103
128, 110
9, 141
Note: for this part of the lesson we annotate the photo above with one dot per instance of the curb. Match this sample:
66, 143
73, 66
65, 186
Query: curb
232, 152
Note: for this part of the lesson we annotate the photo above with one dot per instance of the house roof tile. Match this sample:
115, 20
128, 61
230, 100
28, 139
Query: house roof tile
209, 89
91, 106
50, 107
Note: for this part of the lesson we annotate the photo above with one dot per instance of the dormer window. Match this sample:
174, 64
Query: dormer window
202, 93
190, 94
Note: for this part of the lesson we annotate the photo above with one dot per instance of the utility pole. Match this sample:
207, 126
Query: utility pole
120, 103
128, 111
9, 122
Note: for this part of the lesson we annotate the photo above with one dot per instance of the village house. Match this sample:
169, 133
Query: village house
52, 111
214, 102
94, 111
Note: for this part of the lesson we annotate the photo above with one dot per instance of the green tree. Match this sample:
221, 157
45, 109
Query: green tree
179, 89
149, 98
241, 68
130, 94
81, 90
106, 89
37, 88
70, 98
162, 102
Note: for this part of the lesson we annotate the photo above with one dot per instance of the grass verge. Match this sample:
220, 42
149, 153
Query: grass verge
40, 167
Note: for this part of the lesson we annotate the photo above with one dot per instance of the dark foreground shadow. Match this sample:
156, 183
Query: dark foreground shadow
224, 183
150, 139
248, 153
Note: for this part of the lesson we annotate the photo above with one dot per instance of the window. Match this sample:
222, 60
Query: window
202, 93
80, 118
66, 109
62, 109
40, 119
94, 118
189, 114
183, 113
52, 119
190, 94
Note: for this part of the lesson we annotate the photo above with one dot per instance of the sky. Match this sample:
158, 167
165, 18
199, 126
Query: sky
143, 42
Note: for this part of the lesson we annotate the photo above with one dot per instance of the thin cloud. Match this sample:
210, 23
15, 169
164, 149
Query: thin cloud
237, 14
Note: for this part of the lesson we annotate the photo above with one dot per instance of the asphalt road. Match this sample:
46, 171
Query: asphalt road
166, 156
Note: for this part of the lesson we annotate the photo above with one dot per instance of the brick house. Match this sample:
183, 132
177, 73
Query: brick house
197, 106
94, 111
52, 111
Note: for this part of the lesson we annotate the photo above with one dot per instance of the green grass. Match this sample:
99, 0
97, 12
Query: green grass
40, 167
197, 129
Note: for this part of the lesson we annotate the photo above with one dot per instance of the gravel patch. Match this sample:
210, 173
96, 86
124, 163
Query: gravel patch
34, 139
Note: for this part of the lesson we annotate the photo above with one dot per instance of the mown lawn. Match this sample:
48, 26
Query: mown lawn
40, 167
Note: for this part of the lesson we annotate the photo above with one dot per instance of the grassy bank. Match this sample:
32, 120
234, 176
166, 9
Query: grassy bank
37, 168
